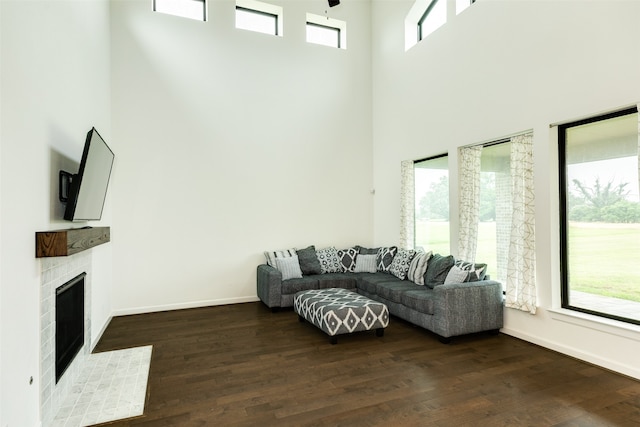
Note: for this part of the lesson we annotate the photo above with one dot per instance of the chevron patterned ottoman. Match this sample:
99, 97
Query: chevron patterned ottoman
340, 311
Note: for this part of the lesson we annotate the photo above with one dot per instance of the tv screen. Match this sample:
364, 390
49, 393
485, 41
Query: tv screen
88, 188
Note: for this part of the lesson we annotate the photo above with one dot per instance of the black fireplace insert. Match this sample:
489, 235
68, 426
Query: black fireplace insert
69, 322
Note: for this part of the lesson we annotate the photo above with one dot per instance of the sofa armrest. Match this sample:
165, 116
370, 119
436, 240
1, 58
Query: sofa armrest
269, 285
464, 308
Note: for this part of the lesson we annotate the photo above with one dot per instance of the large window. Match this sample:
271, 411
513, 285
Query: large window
432, 204
600, 215
194, 9
494, 224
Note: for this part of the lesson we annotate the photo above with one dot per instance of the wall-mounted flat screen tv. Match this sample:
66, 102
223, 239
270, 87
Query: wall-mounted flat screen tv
87, 190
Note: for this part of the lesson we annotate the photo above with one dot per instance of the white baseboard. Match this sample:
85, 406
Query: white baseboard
180, 306
628, 370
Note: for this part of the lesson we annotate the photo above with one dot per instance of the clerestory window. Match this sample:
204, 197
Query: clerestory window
326, 31
433, 18
259, 17
193, 9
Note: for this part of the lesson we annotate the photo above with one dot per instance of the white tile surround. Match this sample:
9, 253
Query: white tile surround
54, 273
95, 387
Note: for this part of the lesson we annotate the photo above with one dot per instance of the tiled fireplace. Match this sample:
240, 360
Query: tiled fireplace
95, 388
55, 272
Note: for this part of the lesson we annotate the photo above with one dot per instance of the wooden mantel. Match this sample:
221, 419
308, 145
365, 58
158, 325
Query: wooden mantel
71, 241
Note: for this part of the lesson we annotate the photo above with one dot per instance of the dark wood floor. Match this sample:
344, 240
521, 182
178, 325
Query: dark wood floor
243, 365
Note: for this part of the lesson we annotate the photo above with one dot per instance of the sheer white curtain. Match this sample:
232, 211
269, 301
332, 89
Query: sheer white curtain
469, 201
521, 277
638, 145
407, 204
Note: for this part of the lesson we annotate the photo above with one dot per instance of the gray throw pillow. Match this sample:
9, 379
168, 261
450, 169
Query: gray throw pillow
289, 267
456, 275
437, 270
365, 263
367, 251
308, 259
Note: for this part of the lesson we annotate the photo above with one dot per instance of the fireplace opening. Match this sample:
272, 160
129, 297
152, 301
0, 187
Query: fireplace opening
69, 322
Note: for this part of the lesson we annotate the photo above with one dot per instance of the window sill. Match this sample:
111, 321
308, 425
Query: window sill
601, 324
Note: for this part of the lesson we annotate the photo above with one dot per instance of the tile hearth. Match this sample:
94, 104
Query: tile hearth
110, 386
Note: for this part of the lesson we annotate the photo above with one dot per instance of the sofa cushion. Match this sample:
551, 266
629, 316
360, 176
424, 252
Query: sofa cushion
437, 270
272, 255
419, 299
385, 258
308, 259
418, 267
393, 290
329, 261
365, 264
348, 259
368, 281
401, 262
292, 286
337, 280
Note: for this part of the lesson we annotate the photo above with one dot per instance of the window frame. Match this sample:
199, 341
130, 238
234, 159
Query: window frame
328, 27
564, 217
260, 8
425, 15
261, 13
335, 24
154, 8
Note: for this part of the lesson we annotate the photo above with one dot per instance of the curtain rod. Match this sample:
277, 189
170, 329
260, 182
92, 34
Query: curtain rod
601, 113
494, 141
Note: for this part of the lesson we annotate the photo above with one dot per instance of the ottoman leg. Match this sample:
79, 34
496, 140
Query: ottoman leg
380, 332
333, 340
300, 318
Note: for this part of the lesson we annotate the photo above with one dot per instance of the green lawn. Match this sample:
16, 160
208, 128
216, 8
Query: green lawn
604, 258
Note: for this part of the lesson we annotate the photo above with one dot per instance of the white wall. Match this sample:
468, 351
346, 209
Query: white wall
54, 87
497, 68
230, 143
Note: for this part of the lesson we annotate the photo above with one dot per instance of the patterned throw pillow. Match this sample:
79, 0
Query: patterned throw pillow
348, 259
272, 255
366, 263
289, 267
329, 261
401, 262
418, 267
385, 258
476, 271
308, 259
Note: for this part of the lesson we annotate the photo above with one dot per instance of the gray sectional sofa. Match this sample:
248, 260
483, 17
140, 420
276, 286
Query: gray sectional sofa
448, 310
